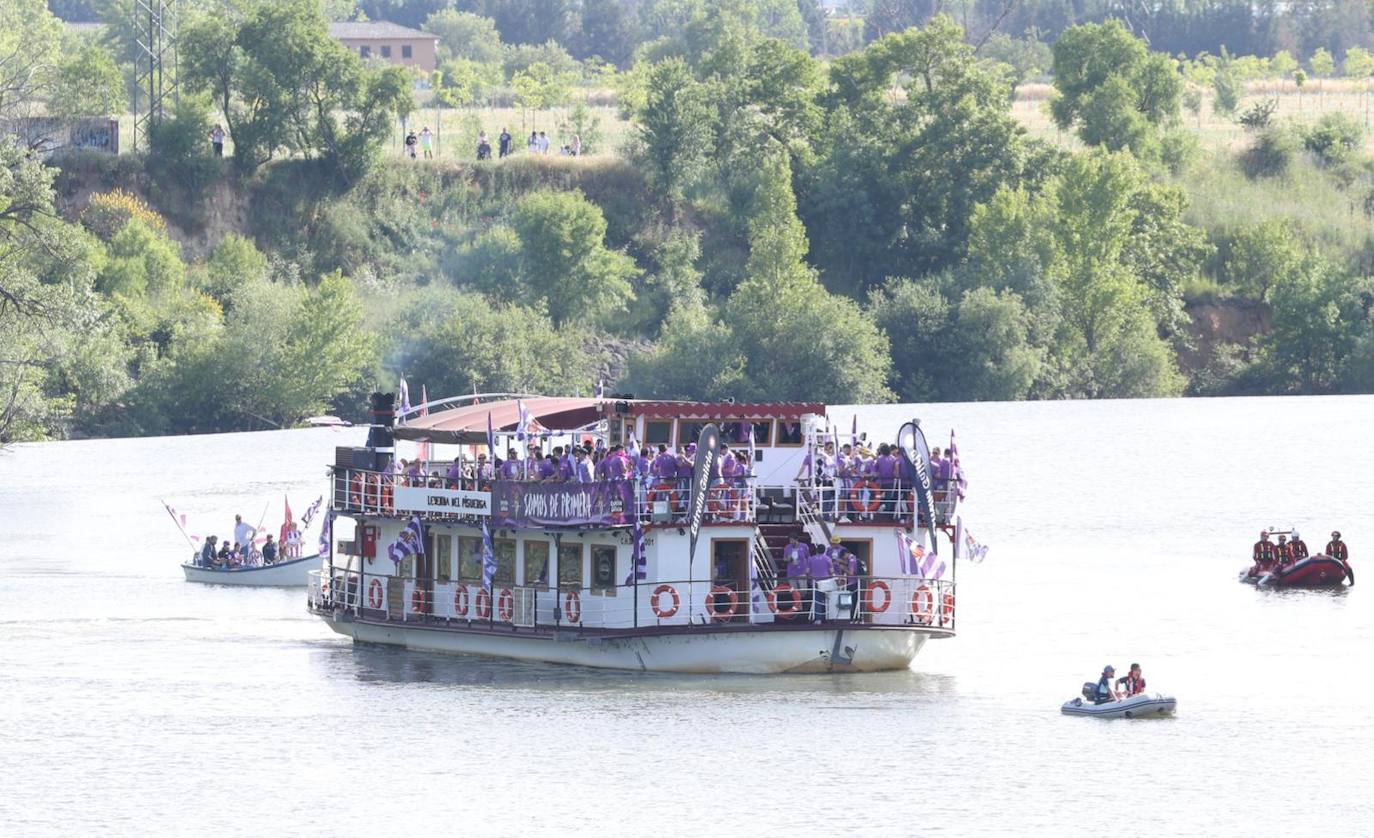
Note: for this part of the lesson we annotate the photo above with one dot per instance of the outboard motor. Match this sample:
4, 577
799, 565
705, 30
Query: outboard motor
1090, 690
381, 439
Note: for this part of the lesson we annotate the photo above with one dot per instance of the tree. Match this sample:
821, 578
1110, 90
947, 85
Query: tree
566, 262
994, 360
1316, 323
1112, 86
283, 84
86, 83
1321, 62
458, 342
1283, 64
30, 39
673, 126
1358, 63
799, 340
1258, 257
915, 316
540, 87
465, 35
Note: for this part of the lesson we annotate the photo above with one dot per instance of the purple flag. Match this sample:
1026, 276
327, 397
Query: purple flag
488, 557
411, 542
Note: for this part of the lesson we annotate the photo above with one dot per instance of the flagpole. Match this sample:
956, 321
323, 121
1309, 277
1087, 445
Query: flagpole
182, 529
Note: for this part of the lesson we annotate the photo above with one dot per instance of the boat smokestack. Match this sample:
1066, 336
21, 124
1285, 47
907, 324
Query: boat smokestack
380, 437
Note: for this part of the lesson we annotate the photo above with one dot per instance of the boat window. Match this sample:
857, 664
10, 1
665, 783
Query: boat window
689, 431
736, 434
536, 564
505, 561
789, 433
469, 558
570, 565
615, 432
658, 433
603, 569
443, 549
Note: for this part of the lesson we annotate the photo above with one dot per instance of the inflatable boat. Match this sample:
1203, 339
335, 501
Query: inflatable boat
1320, 571
1136, 707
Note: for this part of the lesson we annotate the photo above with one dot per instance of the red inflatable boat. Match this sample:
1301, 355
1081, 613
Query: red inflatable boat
1320, 571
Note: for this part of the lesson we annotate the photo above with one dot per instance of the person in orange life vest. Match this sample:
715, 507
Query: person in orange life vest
1297, 548
1132, 683
1336, 549
1283, 554
1263, 553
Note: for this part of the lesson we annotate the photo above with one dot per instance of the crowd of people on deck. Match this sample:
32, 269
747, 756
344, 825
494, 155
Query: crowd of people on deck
866, 482
219, 554
807, 565
588, 462
1270, 556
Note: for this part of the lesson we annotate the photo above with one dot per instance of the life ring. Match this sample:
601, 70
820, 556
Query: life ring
374, 594
874, 500
355, 490
922, 604
483, 604
572, 607
385, 494
869, 604
417, 600
505, 606
712, 604
664, 491
665, 613
720, 499
779, 606
461, 600
947, 608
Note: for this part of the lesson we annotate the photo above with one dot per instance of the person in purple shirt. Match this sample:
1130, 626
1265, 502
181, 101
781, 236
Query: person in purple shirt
665, 464
567, 472
797, 557
548, 469
684, 462
511, 469
583, 467
613, 466
885, 470
455, 472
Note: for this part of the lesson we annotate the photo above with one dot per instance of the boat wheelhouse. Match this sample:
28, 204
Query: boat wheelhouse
649, 568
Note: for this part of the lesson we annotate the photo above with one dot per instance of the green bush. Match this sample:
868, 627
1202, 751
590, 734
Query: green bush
1334, 138
1272, 153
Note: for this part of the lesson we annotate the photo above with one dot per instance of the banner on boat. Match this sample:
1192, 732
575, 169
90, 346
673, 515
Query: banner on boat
915, 455
703, 466
443, 501
603, 503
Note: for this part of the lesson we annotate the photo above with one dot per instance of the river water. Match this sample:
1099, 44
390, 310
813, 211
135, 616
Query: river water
132, 702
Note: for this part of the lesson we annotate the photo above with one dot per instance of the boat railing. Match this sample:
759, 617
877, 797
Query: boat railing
701, 604
868, 499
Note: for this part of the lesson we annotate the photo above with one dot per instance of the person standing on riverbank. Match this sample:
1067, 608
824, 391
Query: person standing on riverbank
217, 140
427, 143
503, 143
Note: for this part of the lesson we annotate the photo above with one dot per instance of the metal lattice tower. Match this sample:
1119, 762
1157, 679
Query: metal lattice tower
155, 64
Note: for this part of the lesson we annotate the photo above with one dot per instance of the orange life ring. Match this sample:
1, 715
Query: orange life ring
386, 494
856, 497
572, 607
712, 603
664, 491
869, 604
922, 604
417, 600
665, 613
483, 604
505, 605
947, 607
355, 489
374, 594
777, 606
461, 600
720, 499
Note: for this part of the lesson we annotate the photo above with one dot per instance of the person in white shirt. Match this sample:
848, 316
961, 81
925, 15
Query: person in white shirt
243, 534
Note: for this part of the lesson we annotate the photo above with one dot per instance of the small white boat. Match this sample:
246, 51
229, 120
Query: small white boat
289, 574
1136, 707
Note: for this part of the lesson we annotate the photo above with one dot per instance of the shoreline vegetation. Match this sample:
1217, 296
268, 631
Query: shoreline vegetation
939, 213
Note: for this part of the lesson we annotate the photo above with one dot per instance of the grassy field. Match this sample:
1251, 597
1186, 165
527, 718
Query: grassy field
1218, 131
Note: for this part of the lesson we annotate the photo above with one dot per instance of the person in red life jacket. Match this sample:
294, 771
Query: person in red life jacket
1283, 553
1336, 549
1132, 683
1297, 548
1263, 554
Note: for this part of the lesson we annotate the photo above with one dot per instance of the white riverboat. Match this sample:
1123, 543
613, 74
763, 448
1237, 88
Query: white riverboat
656, 571
292, 573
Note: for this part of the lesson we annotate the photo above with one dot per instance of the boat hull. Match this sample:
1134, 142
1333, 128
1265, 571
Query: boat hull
1135, 707
839, 649
292, 574
1312, 572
